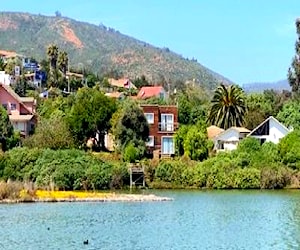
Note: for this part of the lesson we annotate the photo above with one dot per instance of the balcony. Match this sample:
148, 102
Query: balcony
167, 126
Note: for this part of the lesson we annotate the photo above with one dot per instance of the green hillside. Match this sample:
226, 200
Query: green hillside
98, 48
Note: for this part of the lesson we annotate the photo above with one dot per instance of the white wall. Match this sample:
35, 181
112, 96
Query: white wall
230, 138
4, 78
276, 132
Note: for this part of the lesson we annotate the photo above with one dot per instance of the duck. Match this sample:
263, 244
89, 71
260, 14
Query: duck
86, 242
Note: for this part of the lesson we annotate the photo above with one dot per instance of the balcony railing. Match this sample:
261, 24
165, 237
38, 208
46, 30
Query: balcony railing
167, 126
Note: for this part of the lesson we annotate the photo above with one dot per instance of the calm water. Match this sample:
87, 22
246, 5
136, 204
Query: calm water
194, 220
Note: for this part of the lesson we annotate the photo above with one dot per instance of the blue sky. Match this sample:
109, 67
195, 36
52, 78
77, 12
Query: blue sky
244, 40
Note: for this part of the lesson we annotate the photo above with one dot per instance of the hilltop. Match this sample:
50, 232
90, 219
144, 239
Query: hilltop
261, 86
99, 48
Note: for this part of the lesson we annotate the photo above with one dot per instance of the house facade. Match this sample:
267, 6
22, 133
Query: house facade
229, 139
270, 130
21, 110
163, 123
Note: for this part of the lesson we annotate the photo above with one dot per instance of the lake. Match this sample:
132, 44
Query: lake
194, 220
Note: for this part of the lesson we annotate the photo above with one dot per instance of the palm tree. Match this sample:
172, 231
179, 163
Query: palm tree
228, 107
52, 52
62, 62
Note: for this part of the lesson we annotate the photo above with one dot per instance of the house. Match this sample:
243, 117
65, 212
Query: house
5, 55
121, 83
21, 110
163, 123
229, 139
152, 91
270, 130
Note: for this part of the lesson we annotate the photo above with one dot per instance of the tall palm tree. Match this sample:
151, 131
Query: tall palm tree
228, 107
52, 52
63, 61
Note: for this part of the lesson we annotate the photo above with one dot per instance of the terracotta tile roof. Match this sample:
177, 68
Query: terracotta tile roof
213, 131
6, 53
121, 83
150, 91
241, 129
20, 117
114, 94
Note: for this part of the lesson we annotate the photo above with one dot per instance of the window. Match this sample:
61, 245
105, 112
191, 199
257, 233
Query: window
4, 105
167, 122
150, 142
13, 106
150, 118
168, 145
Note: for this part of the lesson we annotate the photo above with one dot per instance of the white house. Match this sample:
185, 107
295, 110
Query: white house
229, 139
271, 130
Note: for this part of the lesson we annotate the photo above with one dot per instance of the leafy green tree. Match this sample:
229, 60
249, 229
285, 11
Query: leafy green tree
51, 133
2, 65
290, 114
179, 139
289, 149
196, 143
192, 105
129, 125
7, 136
90, 115
294, 70
228, 107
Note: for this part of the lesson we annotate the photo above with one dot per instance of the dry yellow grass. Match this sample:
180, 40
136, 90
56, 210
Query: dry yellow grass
43, 194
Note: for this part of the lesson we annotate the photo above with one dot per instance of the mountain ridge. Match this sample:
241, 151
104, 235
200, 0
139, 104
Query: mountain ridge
99, 48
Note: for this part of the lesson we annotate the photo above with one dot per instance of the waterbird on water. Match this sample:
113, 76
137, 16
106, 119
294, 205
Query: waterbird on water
86, 242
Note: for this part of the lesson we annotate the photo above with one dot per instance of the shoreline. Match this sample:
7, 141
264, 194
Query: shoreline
106, 198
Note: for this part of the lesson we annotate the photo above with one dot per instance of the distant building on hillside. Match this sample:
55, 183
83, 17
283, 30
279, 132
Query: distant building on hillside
121, 83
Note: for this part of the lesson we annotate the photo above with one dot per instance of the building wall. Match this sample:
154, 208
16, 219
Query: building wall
7, 99
154, 128
230, 139
276, 132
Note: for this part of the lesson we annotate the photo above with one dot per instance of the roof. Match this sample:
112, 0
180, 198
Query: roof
213, 131
238, 129
27, 99
121, 83
74, 74
150, 91
20, 117
270, 118
14, 95
114, 94
8, 53
241, 129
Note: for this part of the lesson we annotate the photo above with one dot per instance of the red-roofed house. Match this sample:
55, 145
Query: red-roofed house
21, 110
152, 91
